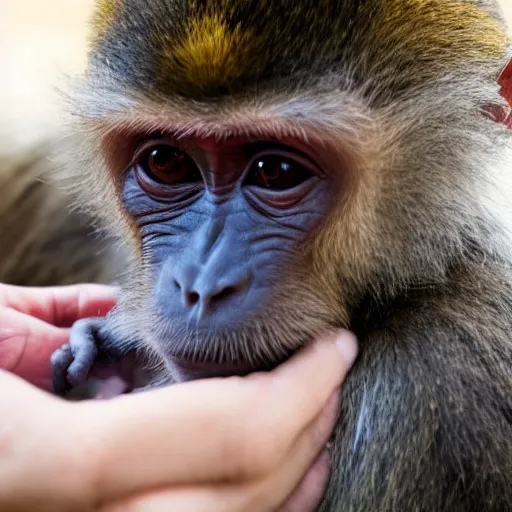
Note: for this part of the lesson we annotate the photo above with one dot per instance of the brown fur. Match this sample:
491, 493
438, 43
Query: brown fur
45, 241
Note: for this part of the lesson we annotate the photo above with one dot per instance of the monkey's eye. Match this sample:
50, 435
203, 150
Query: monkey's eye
168, 165
276, 172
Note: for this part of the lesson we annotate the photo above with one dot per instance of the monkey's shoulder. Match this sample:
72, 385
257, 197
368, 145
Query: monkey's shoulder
472, 300
434, 378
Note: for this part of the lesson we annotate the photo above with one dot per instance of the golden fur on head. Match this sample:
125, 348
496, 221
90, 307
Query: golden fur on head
209, 48
210, 53
105, 15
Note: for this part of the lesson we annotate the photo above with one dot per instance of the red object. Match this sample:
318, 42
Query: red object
505, 81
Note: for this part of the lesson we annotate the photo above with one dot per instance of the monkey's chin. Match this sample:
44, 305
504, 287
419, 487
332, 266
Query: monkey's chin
184, 370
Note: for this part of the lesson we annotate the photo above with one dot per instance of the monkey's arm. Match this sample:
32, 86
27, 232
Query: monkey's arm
426, 420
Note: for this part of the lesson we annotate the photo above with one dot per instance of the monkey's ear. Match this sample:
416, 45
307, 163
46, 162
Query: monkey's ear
505, 81
501, 114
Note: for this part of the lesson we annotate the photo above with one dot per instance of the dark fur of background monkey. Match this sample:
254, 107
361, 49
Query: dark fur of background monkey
45, 241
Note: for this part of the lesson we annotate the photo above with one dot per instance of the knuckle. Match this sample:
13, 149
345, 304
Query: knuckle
56, 357
84, 295
251, 441
60, 355
262, 451
266, 453
81, 331
80, 326
251, 454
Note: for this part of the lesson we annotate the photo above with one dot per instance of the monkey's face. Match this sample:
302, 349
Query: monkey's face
225, 228
248, 247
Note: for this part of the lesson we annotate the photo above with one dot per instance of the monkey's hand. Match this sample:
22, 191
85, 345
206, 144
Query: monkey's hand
73, 363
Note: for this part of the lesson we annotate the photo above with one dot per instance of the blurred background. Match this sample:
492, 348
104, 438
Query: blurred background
39, 41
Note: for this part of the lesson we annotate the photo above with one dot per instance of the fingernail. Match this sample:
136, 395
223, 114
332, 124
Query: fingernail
347, 345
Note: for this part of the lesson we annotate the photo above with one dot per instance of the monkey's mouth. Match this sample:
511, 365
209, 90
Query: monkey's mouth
186, 370
191, 355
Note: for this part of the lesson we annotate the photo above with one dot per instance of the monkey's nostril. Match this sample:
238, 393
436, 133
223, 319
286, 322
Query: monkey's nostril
177, 285
193, 298
223, 294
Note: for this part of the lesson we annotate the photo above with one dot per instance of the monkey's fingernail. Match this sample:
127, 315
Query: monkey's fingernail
347, 345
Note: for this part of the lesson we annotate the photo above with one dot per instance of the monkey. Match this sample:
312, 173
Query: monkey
45, 240
277, 169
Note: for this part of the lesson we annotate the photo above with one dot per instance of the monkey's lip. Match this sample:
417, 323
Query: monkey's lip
192, 370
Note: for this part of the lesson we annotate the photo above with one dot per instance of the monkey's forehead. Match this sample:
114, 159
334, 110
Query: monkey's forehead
207, 48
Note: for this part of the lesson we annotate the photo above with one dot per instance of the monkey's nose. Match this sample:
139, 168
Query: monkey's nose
207, 295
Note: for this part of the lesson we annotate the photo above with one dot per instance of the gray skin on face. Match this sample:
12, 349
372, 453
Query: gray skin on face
219, 223
217, 241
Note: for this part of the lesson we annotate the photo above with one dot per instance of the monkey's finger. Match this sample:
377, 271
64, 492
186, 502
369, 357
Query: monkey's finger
83, 345
26, 345
60, 361
62, 305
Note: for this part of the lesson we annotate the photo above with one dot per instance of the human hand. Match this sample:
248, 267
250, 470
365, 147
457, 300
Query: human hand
226, 445
34, 322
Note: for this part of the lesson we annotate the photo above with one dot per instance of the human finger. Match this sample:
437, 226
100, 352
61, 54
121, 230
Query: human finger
198, 499
60, 305
243, 440
300, 482
265, 496
26, 344
301, 386
227, 498
310, 491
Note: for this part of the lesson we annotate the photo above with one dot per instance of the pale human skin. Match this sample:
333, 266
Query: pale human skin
237, 444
